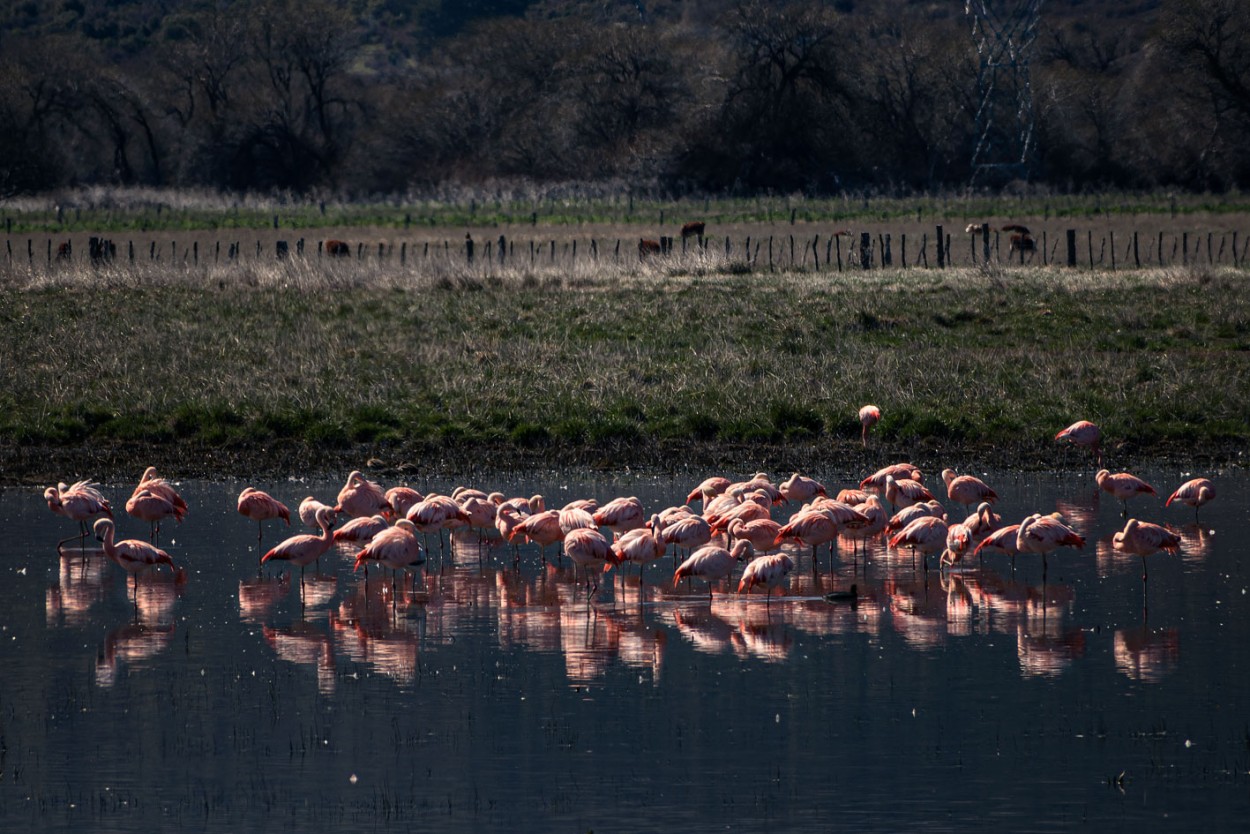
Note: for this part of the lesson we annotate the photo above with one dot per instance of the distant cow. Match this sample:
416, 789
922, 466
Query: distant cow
693, 229
975, 228
1017, 228
64, 251
1022, 242
647, 248
338, 248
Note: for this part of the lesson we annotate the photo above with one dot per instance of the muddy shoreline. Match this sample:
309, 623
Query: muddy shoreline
23, 465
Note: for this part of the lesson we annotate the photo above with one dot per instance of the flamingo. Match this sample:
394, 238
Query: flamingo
157, 485
869, 416
854, 497
589, 549
1084, 433
542, 529
261, 507
361, 529
926, 534
713, 563
396, 548
872, 510
506, 521
967, 489
768, 571
907, 515
1144, 538
1195, 493
709, 489
573, 518
361, 497
1123, 486
435, 514
305, 548
903, 492
876, 481
1045, 534
801, 489
641, 545
691, 533
1002, 540
130, 555
762, 533
813, 528
78, 503
621, 515
308, 509
958, 540
152, 508
755, 506
401, 499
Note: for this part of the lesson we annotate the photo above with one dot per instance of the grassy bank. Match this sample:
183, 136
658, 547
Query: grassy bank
265, 368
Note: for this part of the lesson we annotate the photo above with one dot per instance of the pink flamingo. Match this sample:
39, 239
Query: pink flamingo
903, 492
361, 530
589, 549
396, 548
801, 489
854, 497
1123, 486
1195, 493
762, 533
926, 534
872, 510
1002, 540
1045, 534
766, 571
713, 563
869, 416
573, 518
308, 509
812, 528
152, 508
542, 529
691, 532
876, 481
1084, 433
157, 485
361, 497
709, 489
401, 499
1144, 538
641, 545
621, 515
130, 555
260, 507
755, 506
907, 515
78, 503
958, 540
305, 548
967, 489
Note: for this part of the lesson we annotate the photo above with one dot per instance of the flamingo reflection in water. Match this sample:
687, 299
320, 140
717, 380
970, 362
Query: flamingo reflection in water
133, 644
79, 586
367, 630
1145, 654
304, 644
258, 596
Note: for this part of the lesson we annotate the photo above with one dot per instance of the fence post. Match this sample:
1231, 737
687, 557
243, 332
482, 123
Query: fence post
985, 241
941, 253
865, 250
838, 245
902, 250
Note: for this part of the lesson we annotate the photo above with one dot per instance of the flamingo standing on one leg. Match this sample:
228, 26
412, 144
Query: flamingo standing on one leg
1144, 538
153, 508
589, 549
305, 548
260, 507
361, 498
869, 416
396, 548
926, 534
157, 485
1045, 534
1195, 493
78, 503
1084, 433
130, 555
1123, 486
768, 571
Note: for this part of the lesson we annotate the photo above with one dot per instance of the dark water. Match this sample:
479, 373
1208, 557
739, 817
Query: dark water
508, 699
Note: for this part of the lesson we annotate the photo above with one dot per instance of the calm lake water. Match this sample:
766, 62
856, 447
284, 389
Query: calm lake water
502, 698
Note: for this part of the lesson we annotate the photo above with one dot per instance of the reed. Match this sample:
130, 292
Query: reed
625, 362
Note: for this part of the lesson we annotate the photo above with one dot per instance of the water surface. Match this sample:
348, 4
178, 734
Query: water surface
502, 697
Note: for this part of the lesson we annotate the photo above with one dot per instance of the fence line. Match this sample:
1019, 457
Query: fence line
842, 251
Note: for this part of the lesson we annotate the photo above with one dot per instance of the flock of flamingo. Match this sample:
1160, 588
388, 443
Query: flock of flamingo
733, 525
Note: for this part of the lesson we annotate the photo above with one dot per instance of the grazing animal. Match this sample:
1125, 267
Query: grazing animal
647, 248
1084, 433
1022, 243
693, 229
64, 251
1017, 228
976, 228
338, 248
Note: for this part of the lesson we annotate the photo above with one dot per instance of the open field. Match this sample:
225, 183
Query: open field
265, 365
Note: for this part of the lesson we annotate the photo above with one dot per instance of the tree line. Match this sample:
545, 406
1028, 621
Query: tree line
372, 97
